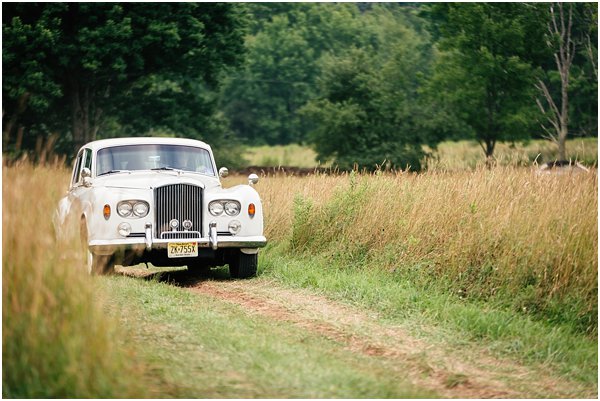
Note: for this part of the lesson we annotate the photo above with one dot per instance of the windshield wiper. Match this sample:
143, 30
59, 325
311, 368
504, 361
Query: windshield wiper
113, 172
166, 168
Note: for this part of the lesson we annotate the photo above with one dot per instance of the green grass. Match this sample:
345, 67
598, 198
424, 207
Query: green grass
457, 321
201, 347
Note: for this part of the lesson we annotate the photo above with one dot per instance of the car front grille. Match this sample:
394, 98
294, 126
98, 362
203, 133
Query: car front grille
181, 202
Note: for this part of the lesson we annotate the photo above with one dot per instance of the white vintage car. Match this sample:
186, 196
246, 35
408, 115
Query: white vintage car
160, 200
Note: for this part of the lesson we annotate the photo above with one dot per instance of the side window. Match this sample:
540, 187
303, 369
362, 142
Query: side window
76, 169
88, 158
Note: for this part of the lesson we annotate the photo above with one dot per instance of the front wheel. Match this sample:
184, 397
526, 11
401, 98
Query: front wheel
95, 264
100, 264
242, 265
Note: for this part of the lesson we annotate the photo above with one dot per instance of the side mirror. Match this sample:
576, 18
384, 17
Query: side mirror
252, 179
86, 177
223, 172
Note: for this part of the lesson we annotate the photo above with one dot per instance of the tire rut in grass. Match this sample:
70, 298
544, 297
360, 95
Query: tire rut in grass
472, 374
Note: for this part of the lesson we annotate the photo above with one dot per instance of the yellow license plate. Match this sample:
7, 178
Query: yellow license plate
182, 249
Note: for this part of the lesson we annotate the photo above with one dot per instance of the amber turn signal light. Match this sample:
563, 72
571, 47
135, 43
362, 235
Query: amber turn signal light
106, 212
251, 210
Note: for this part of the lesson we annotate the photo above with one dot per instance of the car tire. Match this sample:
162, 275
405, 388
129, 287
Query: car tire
242, 265
101, 265
95, 264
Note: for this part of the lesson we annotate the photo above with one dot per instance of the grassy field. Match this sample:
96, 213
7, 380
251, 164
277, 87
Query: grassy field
201, 347
481, 264
503, 234
275, 156
449, 156
57, 341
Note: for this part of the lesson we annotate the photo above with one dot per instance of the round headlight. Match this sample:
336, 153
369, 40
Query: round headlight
174, 223
140, 209
232, 208
234, 227
187, 224
124, 229
215, 208
124, 209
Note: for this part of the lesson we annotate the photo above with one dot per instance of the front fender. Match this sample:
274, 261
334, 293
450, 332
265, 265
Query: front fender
100, 228
59, 219
245, 194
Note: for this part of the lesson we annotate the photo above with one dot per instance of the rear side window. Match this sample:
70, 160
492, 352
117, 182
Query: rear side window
84, 159
76, 168
88, 158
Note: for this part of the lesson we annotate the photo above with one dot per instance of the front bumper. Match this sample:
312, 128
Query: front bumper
214, 241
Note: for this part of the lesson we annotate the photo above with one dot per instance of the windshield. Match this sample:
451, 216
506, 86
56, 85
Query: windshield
148, 157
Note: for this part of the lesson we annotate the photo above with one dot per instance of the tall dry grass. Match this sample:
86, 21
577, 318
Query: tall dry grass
527, 239
56, 340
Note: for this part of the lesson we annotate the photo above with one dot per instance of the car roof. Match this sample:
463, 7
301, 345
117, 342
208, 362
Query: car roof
106, 143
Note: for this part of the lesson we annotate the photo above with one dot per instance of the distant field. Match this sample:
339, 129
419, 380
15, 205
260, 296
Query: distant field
467, 155
449, 156
275, 156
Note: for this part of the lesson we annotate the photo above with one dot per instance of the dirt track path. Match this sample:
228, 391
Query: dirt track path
463, 373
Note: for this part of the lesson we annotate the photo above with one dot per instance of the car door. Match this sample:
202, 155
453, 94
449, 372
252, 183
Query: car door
79, 193
70, 208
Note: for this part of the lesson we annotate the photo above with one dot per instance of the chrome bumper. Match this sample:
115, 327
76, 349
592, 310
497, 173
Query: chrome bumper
107, 247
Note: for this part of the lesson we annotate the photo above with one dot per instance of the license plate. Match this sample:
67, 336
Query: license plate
182, 249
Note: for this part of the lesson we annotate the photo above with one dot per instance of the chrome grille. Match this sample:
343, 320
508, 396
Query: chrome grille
181, 202
179, 234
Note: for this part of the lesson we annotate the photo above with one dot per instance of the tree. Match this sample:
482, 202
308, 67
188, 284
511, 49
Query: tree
82, 63
564, 44
484, 74
369, 112
279, 75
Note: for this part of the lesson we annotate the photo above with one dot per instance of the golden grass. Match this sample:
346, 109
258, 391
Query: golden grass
531, 236
57, 342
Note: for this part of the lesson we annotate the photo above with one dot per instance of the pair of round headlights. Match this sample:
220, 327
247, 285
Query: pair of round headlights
230, 208
132, 208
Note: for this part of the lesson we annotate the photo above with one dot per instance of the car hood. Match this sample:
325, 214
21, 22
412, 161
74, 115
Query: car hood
154, 179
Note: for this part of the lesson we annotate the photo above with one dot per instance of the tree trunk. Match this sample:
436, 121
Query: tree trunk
12, 121
85, 115
488, 147
560, 28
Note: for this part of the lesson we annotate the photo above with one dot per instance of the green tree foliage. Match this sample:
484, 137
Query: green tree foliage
129, 66
363, 82
484, 77
370, 111
279, 75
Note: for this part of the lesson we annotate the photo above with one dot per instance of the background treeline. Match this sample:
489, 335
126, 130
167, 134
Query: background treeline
362, 83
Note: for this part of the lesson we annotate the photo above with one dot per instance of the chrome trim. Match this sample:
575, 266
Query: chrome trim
180, 235
252, 179
137, 235
148, 236
212, 232
178, 202
106, 247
